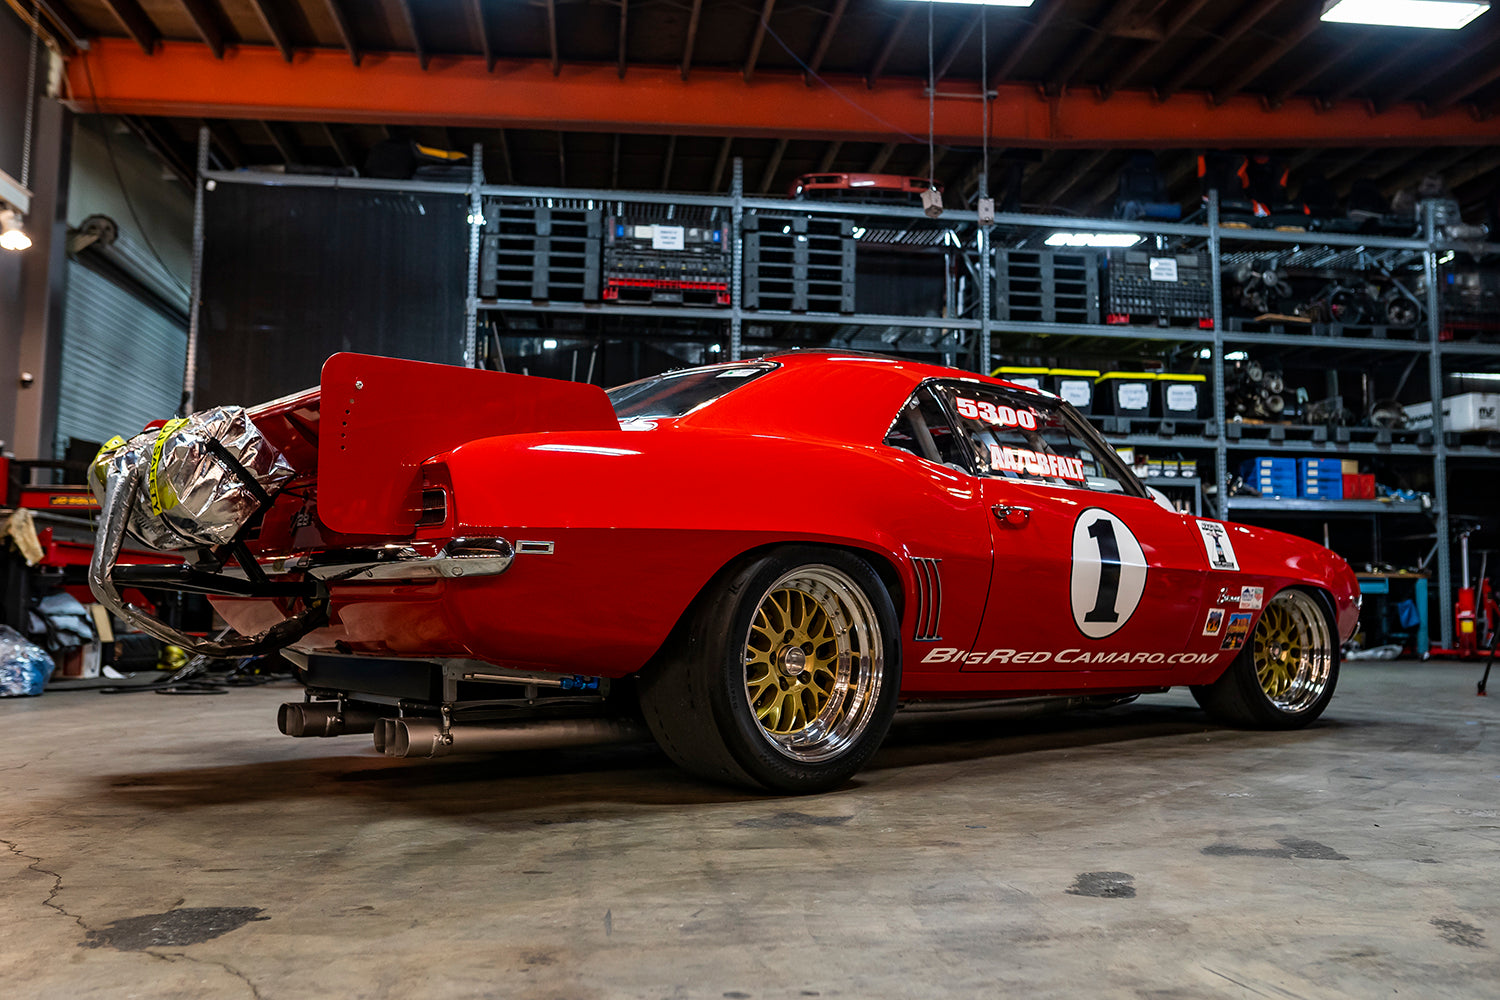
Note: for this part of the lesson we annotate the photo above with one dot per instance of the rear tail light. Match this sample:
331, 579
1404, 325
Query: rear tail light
434, 507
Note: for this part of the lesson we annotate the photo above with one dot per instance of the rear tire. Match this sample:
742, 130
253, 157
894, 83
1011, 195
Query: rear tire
784, 675
1284, 676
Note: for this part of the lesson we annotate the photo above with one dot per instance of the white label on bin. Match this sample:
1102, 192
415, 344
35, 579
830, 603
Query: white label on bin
645, 232
1029, 381
1076, 391
1163, 268
1182, 397
1133, 396
667, 238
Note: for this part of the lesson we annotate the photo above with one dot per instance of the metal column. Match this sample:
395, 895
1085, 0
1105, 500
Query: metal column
1216, 383
737, 264
476, 223
195, 299
1439, 443
986, 280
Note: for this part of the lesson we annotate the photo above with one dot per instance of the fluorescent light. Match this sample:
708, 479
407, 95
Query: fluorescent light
1094, 239
1447, 14
1237, 356
989, 3
548, 344
12, 237
1483, 376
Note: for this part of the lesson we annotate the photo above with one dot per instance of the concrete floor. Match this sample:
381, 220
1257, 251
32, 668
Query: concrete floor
166, 847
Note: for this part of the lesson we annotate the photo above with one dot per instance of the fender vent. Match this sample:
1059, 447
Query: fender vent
434, 507
929, 598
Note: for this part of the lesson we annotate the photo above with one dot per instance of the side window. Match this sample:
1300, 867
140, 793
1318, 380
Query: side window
924, 428
1012, 435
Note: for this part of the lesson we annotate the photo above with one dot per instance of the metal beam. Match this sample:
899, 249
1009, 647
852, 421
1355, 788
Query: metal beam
274, 27
346, 32
692, 39
1018, 51
208, 21
552, 37
830, 28
1249, 19
482, 28
1270, 57
1120, 77
185, 80
772, 165
409, 15
878, 66
135, 22
624, 23
757, 39
1082, 53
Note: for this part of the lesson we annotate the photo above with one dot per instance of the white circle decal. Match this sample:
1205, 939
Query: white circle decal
1109, 573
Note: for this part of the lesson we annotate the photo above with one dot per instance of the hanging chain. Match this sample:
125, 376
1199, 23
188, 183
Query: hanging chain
984, 103
931, 94
36, 13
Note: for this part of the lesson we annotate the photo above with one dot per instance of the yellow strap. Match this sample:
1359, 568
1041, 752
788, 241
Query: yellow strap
168, 429
100, 463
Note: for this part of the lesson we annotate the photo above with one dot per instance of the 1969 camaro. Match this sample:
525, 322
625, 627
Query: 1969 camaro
761, 561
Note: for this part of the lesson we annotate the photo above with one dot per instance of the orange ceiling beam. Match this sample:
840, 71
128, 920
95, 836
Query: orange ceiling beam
185, 79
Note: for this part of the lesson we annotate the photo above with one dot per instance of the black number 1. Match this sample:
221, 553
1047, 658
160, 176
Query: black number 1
1103, 532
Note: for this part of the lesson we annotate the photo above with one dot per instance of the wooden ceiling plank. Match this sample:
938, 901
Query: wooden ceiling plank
1081, 53
208, 21
666, 167
772, 165
624, 34
1212, 53
1018, 51
882, 157
720, 164
956, 44
825, 39
692, 38
274, 26
1270, 57
757, 39
1120, 77
829, 155
135, 22
552, 39
891, 40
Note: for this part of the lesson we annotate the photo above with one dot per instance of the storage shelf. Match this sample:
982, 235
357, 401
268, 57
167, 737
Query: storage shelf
1292, 506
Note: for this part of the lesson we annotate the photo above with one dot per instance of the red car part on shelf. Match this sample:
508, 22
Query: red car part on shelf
878, 186
775, 551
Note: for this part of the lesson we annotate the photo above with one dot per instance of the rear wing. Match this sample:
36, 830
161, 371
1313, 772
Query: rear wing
373, 421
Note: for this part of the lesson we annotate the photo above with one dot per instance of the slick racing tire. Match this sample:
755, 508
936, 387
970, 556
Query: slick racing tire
783, 676
1284, 676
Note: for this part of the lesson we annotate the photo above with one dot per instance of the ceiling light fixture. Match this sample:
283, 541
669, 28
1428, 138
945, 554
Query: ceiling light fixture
1445, 14
1094, 239
12, 236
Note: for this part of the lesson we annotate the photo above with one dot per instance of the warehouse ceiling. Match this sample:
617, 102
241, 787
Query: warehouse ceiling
755, 79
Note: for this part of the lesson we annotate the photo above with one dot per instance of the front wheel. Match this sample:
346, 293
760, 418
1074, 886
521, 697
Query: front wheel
784, 676
1284, 676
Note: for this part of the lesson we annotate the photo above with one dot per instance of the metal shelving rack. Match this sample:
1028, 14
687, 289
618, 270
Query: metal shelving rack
973, 331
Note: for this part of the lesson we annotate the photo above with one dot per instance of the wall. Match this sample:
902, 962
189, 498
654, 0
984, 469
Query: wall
13, 42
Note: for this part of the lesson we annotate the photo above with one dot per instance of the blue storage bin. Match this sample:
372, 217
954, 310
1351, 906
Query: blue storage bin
1320, 478
1271, 477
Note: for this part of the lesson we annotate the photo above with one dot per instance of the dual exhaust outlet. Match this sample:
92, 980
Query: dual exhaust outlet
415, 736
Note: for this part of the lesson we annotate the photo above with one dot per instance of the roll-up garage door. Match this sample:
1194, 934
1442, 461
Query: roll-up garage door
122, 361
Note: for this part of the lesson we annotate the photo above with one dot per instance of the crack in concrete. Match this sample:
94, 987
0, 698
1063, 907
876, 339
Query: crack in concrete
170, 956
51, 900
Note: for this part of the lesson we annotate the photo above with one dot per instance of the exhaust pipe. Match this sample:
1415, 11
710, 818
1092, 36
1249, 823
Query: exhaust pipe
419, 737
323, 718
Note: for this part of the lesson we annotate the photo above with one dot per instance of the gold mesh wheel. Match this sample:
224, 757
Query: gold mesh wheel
813, 657
1292, 651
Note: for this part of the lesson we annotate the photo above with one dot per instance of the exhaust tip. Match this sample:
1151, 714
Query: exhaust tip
382, 734
291, 719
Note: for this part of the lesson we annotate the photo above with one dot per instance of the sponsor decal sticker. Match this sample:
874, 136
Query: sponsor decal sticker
1214, 623
1000, 416
1237, 631
1004, 458
1065, 657
1109, 573
1252, 597
1217, 547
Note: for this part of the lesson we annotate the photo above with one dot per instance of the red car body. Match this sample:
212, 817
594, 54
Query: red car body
617, 531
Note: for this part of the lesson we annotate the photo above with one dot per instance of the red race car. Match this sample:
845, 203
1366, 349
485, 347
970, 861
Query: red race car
761, 560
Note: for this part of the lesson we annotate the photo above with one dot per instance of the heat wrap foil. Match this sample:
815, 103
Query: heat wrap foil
205, 476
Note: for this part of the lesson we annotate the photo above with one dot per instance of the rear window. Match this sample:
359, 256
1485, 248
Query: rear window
677, 394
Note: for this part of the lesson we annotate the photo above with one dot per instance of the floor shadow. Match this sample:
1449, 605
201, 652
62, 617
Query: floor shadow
596, 782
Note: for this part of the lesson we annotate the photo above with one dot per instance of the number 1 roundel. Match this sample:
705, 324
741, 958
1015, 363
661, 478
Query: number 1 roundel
1109, 573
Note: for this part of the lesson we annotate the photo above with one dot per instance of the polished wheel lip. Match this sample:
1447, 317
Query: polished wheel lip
1292, 652
858, 661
